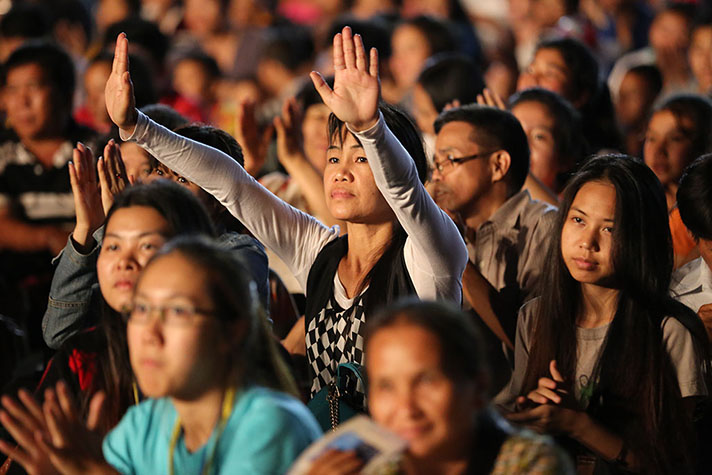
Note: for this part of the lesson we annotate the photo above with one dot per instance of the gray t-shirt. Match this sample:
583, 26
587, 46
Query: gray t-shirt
677, 339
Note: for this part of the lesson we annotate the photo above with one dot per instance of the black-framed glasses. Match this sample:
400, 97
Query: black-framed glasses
450, 161
172, 315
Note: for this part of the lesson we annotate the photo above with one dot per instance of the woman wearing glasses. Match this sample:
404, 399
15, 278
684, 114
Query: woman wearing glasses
398, 241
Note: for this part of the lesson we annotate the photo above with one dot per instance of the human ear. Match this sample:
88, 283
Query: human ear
500, 163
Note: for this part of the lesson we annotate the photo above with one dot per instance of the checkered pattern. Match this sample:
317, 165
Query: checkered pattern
334, 337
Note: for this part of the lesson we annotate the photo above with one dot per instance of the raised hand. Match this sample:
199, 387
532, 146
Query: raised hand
23, 419
356, 92
118, 94
112, 175
72, 446
491, 98
254, 142
87, 201
289, 133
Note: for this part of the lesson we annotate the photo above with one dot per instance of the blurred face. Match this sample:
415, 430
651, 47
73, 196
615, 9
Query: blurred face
133, 235
549, 71
111, 11
31, 106
436, 8
410, 394
700, 57
460, 186
587, 235
203, 16
178, 355
409, 50
424, 110
351, 192
95, 79
191, 81
538, 124
316, 135
669, 33
634, 101
668, 147
137, 161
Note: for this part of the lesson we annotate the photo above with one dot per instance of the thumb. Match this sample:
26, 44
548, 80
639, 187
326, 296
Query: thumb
96, 410
321, 87
555, 372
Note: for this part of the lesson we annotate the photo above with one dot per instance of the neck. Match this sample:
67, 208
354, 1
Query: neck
199, 416
482, 208
43, 148
366, 245
598, 305
444, 466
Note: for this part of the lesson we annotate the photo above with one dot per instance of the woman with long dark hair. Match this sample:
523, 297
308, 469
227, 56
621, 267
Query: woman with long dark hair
398, 241
605, 356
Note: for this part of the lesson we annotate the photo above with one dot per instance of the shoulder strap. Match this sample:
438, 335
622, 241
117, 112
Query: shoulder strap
321, 276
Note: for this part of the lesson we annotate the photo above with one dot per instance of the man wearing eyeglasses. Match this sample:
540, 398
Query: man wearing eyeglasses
480, 164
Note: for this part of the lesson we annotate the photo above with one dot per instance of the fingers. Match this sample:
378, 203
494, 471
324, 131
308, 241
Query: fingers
53, 417
349, 48
17, 454
121, 55
32, 406
66, 402
334, 462
20, 432
554, 370
360, 53
321, 87
373, 65
96, 407
338, 53
21, 415
544, 396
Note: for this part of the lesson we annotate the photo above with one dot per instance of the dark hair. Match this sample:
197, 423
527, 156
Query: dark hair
461, 347
651, 75
402, 126
698, 110
449, 76
580, 61
494, 129
255, 359
694, 197
72, 13
185, 215
143, 33
141, 77
568, 137
25, 20
183, 212
207, 62
290, 46
437, 33
55, 63
375, 33
641, 400
165, 115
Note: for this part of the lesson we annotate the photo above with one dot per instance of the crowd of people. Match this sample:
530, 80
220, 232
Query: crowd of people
229, 226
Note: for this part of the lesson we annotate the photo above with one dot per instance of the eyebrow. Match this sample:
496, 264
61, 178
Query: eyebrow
334, 147
582, 212
147, 233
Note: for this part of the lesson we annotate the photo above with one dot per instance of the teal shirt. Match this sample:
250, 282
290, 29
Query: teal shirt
265, 433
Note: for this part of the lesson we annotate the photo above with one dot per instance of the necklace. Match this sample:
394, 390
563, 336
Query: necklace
228, 400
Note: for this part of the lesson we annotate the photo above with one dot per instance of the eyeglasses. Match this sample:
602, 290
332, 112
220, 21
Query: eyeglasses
171, 315
450, 161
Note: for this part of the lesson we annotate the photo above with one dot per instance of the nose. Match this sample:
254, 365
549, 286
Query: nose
589, 239
127, 260
435, 175
343, 171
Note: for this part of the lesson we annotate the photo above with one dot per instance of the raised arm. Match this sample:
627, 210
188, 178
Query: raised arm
434, 248
293, 235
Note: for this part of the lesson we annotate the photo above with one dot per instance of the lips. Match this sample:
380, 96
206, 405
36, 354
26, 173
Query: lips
124, 284
340, 193
413, 432
585, 264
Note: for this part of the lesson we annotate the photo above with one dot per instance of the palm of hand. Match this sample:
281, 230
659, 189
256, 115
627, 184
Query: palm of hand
355, 95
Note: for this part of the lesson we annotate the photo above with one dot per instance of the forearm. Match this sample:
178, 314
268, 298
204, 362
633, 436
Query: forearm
478, 293
600, 440
311, 184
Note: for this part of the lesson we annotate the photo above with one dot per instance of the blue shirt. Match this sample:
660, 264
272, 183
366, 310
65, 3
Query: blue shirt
266, 432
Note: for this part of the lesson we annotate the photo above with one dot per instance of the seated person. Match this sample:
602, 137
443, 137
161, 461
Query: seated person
481, 162
428, 384
692, 283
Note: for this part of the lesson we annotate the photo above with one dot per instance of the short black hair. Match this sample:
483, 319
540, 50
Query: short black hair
207, 62
140, 32
56, 64
694, 197
438, 33
582, 63
307, 95
25, 20
290, 46
496, 129
213, 137
698, 110
449, 76
652, 76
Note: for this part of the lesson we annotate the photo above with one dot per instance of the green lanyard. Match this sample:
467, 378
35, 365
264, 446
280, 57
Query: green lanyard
228, 401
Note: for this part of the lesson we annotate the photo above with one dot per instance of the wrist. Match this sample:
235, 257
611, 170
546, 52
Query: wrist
578, 424
363, 125
82, 239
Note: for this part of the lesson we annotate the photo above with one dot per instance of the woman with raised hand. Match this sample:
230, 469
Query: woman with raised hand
202, 352
398, 241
